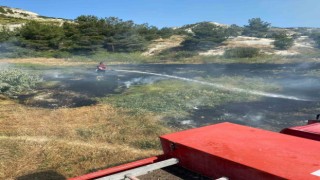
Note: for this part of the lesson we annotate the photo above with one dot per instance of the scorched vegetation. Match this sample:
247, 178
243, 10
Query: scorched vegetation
175, 99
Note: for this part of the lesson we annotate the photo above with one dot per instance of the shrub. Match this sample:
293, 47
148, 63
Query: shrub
14, 82
176, 54
205, 36
5, 34
241, 52
316, 37
256, 28
10, 11
184, 54
283, 41
2, 10
234, 30
62, 54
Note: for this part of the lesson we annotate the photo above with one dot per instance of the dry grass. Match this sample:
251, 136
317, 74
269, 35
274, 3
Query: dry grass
45, 61
72, 142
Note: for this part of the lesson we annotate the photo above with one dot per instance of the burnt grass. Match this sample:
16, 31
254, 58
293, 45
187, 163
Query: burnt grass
270, 113
83, 86
59, 99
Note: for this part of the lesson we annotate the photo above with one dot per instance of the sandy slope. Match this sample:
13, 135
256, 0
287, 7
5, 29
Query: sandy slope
162, 44
301, 44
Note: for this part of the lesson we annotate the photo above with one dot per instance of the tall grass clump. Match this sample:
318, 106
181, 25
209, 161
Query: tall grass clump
241, 52
14, 82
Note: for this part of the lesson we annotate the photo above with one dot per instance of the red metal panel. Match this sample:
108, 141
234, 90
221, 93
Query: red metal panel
120, 168
310, 131
241, 152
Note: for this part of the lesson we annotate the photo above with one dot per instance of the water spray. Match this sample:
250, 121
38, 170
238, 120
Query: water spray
220, 86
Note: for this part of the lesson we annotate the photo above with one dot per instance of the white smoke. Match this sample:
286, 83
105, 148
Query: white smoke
187, 122
56, 74
4, 65
141, 80
222, 87
255, 117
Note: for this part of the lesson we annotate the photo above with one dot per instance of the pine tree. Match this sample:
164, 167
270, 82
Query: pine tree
40, 36
205, 36
256, 28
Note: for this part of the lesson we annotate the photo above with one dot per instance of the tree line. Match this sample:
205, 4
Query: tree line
87, 34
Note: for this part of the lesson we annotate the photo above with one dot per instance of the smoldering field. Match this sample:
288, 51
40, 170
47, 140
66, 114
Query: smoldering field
77, 121
268, 96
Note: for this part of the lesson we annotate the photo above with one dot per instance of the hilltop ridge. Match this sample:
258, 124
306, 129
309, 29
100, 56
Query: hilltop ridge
14, 17
91, 34
17, 13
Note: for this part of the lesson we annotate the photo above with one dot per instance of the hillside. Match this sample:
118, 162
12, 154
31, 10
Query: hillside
302, 43
92, 34
14, 18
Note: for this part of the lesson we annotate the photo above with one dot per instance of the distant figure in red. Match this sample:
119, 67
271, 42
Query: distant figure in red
101, 68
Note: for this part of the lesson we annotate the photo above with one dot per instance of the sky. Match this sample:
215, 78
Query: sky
175, 13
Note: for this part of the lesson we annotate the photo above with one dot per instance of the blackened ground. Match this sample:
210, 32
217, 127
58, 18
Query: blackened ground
80, 87
55, 99
270, 113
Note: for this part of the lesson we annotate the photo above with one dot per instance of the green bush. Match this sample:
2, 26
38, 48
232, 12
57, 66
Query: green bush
241, 52
234, 30
204, 37
256, 28
283, 41
14, 82
316, 37
40, 36
2, 10
184, 54
176, 54
62, 54
10, 11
